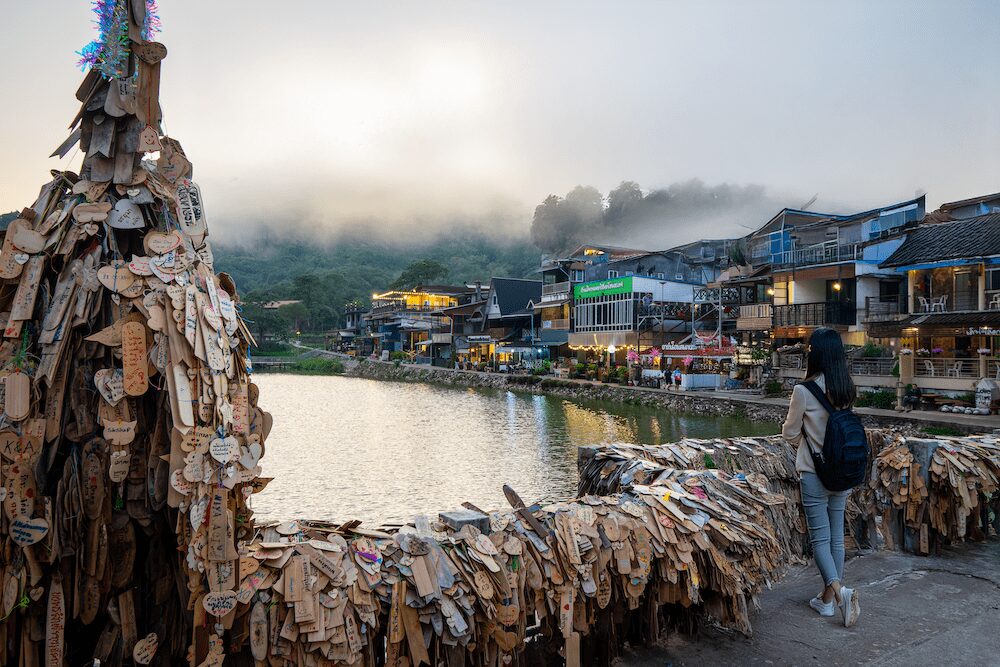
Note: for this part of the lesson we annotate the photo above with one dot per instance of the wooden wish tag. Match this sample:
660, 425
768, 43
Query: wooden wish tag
149, 52
126, 215
10, 268
119, 432
27, 290
26, 531
145, 649
17, 396
191, 211
24, 238
55, 623
149, 140
134, 363
258, 632
120, 462
219, 603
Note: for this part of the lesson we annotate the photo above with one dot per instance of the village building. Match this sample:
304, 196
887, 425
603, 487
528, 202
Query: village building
509, 319
948, 316
401, 320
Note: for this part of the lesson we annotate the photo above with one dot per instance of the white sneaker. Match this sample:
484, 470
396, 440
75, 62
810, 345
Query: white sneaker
822, 608
849, 606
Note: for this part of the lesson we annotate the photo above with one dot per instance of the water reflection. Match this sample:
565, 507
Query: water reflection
346, 448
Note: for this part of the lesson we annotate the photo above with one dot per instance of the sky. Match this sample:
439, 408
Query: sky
320, 115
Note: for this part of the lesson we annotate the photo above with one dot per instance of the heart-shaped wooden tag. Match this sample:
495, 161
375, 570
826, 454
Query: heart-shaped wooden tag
160, 243
220, 603
116, 276
126, 215
140, 266
225, 449
27, 531
149, 52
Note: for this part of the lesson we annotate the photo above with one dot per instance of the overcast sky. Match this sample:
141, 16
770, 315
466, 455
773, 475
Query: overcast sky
422, 113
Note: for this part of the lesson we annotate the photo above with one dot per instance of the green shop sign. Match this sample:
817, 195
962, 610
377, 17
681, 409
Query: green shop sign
603, 288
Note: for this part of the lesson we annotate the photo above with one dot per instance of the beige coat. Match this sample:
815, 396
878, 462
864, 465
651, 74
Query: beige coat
806, 417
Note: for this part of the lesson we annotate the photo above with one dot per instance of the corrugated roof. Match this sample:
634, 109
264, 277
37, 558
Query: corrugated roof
961, 239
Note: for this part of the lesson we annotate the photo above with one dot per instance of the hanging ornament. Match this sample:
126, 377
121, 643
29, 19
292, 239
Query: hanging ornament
149, 140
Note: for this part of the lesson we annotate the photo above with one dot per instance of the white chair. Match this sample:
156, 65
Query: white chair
929, 367
994, 302
955, 370
940, 302
924, 305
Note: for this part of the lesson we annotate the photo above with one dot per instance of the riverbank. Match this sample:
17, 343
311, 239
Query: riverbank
720, 403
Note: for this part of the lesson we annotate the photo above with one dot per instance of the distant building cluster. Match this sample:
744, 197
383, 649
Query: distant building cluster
916, 295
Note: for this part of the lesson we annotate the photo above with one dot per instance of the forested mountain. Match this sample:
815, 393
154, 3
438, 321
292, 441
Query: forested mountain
327, 275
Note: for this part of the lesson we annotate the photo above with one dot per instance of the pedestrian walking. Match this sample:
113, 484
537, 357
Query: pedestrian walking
831, 458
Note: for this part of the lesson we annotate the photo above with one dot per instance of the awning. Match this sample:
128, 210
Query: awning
604, 339
952, 324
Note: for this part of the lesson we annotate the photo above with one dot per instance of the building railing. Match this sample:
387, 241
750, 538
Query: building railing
946, 367
815, 314
560, 324
885, 308
794, 360
555, 290
950, 302
872, 366
822, 253
401, 307
757, 310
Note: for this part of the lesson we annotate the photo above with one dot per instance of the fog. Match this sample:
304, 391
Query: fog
405, 119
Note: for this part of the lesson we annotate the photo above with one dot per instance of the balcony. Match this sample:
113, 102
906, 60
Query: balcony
820, 314
755, 317
556, 291
830, 252
390, 307
557, 325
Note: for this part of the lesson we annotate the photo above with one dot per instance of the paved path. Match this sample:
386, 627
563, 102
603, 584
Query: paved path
915, 611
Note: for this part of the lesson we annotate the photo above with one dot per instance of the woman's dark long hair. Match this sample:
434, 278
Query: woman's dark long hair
826, 356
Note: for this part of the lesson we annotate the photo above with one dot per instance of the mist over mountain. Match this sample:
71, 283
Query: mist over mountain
651, 219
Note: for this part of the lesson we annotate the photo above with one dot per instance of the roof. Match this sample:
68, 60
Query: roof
961, 239
614, 251
812, 218
445, 290
966, 202
513, 294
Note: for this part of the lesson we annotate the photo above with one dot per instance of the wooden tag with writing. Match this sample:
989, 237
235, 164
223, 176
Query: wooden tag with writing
219, 603
134, 363
55, 623
258, 632
145, 649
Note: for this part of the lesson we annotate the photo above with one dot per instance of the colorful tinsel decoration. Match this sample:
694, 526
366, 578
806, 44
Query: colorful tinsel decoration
151, 26
110, 51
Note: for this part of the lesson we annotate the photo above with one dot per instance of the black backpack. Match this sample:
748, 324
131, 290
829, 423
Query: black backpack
843, 462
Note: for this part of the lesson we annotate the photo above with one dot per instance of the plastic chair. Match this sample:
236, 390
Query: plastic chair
924, 305
994, 302
929, 367
955, 370
940, 302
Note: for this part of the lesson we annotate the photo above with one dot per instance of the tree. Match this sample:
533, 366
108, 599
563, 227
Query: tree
420, 272
622, 201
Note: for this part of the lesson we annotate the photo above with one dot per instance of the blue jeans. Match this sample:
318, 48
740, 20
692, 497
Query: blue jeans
825, 518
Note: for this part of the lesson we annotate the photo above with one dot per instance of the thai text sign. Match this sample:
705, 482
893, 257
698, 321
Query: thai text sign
603, 288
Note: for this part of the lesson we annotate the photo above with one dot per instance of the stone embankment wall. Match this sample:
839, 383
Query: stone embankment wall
752, 408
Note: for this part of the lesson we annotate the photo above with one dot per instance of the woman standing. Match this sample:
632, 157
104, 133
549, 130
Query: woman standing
805, 429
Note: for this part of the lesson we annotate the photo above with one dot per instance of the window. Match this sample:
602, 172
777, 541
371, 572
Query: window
660, 276
494, 299
577, 275
612, 273
993, 279
629, 273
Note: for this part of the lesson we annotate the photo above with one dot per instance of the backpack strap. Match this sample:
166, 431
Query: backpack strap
820, 395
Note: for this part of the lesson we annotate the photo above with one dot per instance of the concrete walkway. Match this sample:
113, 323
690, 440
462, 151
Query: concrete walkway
915, 611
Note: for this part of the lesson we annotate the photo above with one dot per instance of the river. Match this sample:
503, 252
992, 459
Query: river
349, 448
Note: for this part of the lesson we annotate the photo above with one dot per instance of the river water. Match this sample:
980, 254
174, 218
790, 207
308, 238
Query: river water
349, 448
